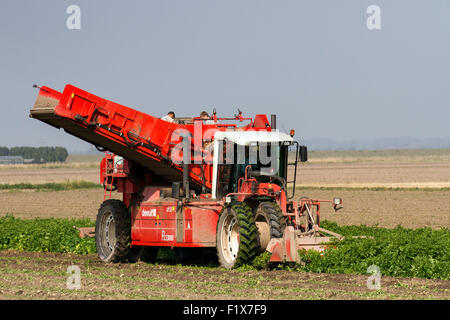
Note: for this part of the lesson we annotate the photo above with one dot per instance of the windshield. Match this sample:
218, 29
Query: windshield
268, 162
265, 161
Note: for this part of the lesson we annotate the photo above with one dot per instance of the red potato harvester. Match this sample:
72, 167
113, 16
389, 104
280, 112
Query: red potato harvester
187, 184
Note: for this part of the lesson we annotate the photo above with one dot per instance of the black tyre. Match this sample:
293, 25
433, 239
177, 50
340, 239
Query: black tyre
270, 223
113, 231
236, 236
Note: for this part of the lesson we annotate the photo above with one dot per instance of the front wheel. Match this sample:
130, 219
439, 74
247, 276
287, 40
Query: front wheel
236, 236
113, 231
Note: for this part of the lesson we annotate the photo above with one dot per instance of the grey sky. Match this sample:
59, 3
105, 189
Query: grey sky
314, 63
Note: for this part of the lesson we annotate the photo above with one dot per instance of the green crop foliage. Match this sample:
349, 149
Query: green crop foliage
261, 261
52, 235
398, 252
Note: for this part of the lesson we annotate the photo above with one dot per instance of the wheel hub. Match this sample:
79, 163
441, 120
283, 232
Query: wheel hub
230, 239
110, 232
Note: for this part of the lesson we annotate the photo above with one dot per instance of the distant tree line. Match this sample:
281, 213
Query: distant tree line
39, 155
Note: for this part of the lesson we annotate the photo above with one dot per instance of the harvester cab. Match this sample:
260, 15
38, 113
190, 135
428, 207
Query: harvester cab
190, 183
250, 162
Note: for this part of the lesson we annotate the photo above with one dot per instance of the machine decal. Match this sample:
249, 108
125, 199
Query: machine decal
149, 213
166, 237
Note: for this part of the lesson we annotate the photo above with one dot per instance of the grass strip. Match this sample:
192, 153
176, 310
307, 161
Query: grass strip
428, 189
52, 186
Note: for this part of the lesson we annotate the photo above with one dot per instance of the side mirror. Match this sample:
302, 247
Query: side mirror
303, 153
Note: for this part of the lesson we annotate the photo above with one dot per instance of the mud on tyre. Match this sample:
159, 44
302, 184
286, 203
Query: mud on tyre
270, 223
113, 231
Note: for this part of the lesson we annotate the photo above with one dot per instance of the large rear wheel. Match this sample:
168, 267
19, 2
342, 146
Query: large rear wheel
113, 231
236, 236
270, 223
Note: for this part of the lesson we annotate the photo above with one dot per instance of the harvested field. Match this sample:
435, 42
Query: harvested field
391, 175
411, 209
43, 175
396, 175
43, 276
387, 155
59, 204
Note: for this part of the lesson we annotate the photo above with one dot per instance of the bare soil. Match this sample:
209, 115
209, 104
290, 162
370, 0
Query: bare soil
403, 175
353, 174
411, 209
26, 204
18, 174
44, 276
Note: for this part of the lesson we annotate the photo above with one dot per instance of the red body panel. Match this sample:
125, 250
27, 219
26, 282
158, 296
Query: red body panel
157, 222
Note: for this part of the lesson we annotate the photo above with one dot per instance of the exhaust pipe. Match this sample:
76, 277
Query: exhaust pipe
273, 121
186, 180
186, 153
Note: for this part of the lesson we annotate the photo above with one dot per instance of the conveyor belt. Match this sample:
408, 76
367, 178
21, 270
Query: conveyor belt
44, 110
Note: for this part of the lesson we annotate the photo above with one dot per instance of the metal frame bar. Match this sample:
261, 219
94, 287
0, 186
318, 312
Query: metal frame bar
295, 170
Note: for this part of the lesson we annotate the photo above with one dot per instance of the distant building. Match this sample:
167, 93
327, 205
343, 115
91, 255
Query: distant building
11, 160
